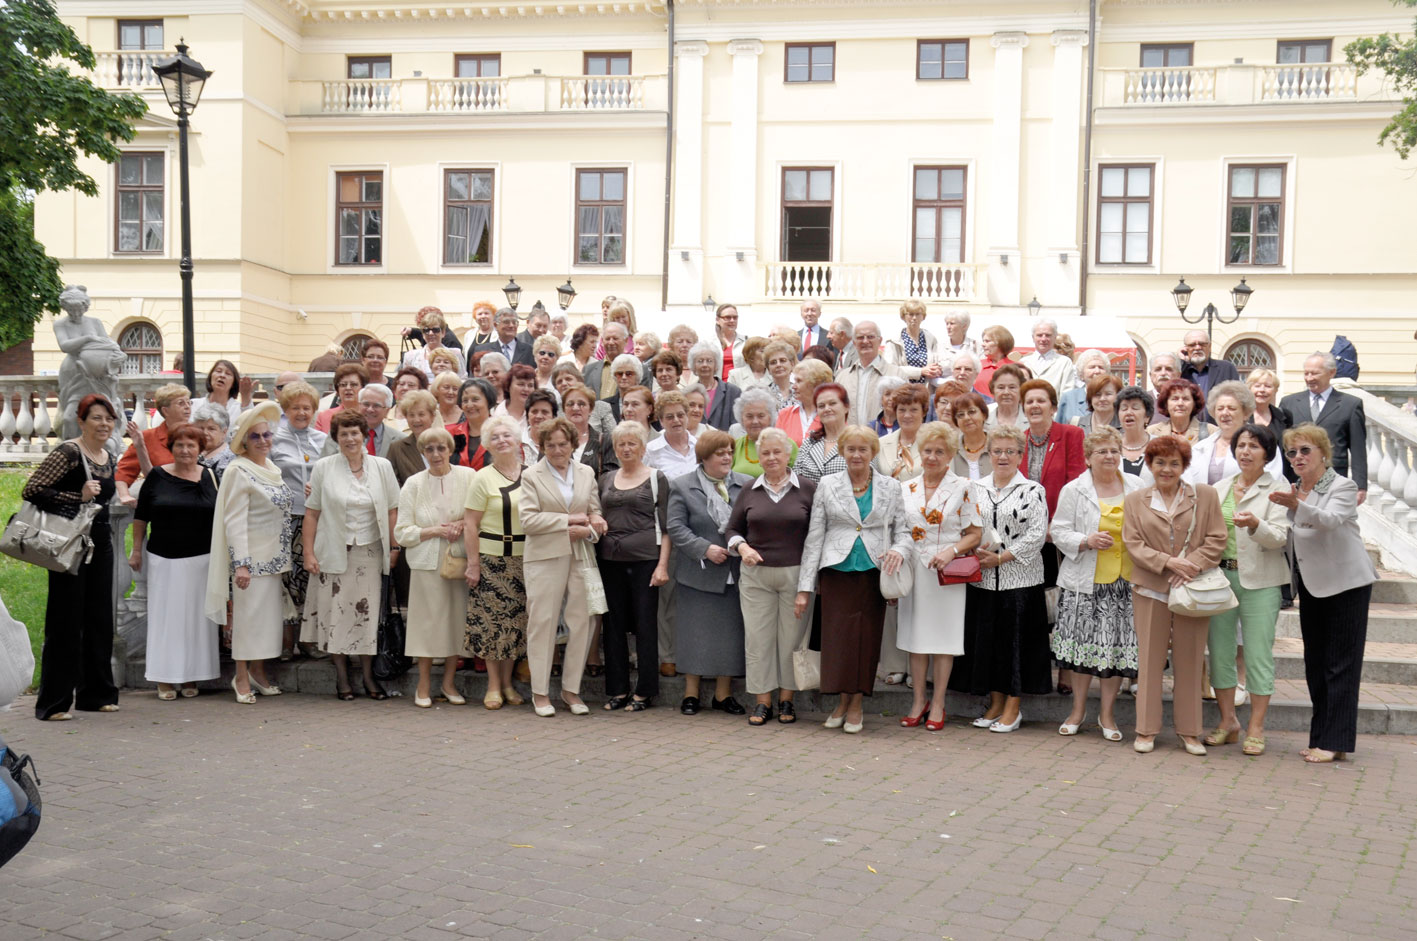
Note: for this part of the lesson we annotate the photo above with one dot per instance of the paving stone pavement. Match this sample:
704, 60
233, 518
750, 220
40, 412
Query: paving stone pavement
303, 817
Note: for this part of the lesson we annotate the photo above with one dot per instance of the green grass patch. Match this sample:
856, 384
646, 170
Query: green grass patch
25, 588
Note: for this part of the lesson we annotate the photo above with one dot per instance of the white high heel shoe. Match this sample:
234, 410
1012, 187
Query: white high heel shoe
1012, 727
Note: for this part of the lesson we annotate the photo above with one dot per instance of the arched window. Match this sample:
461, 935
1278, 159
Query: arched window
354, 346
143, 344
1250, 354
1121, 368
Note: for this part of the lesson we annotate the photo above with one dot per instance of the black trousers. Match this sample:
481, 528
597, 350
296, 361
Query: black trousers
634, 609
1335, 630
76, 668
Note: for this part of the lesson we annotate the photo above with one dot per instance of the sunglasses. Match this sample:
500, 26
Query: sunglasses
260, 436
1306, 450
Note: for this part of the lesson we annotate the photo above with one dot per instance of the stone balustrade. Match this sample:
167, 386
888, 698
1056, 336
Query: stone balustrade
1389, 517
29, 407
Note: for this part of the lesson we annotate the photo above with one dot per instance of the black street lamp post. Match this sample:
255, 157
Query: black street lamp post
182, 81
1239, 297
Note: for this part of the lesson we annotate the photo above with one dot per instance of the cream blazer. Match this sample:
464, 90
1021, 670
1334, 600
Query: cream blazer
330, 484
837, 524
1260, 555
544, 510
1325, 543
417, 511
1076, 518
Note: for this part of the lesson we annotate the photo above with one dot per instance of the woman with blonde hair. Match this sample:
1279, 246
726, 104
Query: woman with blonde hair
799, 418
779, 358
545, 351
251, 530
430, 524
915, 346
445, 388
294, 451
753, 373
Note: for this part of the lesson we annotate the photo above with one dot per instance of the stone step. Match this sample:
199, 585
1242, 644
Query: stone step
1387, 623
1385, 663
1383, 708
1393, 588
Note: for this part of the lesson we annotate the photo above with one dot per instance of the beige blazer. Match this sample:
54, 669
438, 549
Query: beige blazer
1260, 555
330, 483
417, 510
1152, 539
544, 511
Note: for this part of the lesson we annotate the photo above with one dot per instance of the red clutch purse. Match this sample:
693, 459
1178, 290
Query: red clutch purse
961, 571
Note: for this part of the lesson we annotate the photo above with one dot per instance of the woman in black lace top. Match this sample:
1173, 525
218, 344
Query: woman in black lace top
78, 619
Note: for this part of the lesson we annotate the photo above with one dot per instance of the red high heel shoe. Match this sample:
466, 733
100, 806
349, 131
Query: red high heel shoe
910, 722
934, 726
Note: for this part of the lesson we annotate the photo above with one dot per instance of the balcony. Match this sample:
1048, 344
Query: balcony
128, 69
520, 94
799, 280
1237, 85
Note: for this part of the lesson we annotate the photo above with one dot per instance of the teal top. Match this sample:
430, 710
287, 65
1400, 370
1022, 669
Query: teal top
1227, 510
859, 560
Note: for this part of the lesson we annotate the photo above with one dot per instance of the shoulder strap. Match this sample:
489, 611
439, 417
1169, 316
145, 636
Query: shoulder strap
654, 496
1190, 530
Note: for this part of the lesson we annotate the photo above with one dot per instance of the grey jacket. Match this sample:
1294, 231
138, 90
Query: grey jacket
692, 530
1325, 546
837, 524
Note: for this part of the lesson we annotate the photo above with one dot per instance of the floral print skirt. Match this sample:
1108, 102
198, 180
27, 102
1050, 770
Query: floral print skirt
1095, 634
342, 611
496, 611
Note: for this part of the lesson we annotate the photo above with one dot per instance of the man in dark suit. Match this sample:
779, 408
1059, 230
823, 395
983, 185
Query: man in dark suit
537, 324
1201, 369
506, 341
812, 332
1338, 414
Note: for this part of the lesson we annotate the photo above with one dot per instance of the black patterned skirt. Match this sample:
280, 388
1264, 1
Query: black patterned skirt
1005, 643
296, 581
496, 611
1095, 633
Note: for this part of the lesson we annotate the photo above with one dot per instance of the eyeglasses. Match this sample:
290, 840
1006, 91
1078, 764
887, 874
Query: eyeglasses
1005, 452
545, 352
432, 329
260, 436
1306, 450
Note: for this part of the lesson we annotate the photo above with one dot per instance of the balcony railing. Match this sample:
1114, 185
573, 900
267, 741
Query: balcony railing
603, 94
798, 280
508, 94
1237, 85
467, 95
128, 69
362, 96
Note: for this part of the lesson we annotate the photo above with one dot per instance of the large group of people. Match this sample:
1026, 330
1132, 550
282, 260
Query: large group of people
861, 503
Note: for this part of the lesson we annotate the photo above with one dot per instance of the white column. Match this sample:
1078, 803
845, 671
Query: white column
1003, 209
739, 279
686, 253
1058, 286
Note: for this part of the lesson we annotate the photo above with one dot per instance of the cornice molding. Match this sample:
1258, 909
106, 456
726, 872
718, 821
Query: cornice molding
880, 27
345, 11
1161, 31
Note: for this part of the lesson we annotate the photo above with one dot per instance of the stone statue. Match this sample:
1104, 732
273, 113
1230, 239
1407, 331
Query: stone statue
93, 363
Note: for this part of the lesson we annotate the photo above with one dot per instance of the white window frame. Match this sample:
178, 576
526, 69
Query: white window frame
573, 236
498, 181
171, 228
837, 215
1290, 163
332, 172
1158, 175
971, 185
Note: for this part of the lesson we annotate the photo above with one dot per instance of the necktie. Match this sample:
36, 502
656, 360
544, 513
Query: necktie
806, 339
1316, 406
507, 351
371, 442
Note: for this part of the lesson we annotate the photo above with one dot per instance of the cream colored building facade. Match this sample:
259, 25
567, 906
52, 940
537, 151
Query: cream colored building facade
856, 152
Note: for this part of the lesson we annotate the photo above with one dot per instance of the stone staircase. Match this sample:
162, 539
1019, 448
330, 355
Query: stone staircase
1388, 700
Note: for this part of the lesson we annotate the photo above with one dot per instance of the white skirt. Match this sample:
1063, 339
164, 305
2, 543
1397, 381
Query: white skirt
182, 643
931, 617
257, 618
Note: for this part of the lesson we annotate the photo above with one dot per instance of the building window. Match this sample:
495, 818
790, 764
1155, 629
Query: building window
369, 67
1121, 367
1305, 52
600, 217
939, 215
143, 344
359, 217
942, 59
140, 202
810, 62
1172, 55
354, 346
477, 66
1256, 215
140, 34
807, 214
467, 214
607, 63
1249, 355
1124, 215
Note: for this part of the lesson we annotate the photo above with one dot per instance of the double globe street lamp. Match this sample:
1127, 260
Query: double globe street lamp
1239, 297
182, 80
564, 295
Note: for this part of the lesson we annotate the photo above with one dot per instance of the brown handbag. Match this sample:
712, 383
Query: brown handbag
454, 564
961, 571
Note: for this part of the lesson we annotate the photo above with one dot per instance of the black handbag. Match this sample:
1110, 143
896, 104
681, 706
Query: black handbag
390, 662
19, 802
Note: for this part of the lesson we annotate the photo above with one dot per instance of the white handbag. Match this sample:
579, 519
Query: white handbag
897, 586
1207, 594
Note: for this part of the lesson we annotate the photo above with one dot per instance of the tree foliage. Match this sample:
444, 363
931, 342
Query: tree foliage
49, 117
1397, 58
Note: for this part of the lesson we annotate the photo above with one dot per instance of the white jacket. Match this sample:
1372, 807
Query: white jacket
1203, 450
417, 511
1260, 556
1076, 518
330, 484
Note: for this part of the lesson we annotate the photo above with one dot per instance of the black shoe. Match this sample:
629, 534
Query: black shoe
616, 703
689, 706
1286, 603
730, 706
762, 712
786, 713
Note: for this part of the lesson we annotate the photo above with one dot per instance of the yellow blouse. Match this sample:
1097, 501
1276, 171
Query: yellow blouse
1113, 563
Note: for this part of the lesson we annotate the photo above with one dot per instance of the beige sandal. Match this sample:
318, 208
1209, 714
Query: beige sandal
1222, 736
1254, 746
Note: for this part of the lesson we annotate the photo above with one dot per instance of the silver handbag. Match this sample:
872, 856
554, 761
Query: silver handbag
51, 541
1207, 594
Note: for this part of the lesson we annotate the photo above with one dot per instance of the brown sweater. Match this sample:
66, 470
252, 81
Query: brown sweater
776, 530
